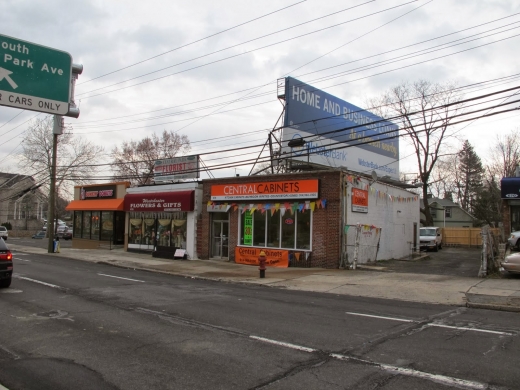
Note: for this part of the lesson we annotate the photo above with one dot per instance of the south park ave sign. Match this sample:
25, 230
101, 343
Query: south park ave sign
34, 77
297, 189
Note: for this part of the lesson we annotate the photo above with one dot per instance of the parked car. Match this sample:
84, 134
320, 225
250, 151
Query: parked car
430, 238
59, 223
6, 265
41, 234
514, 240
511, 263
4, 233
67, 234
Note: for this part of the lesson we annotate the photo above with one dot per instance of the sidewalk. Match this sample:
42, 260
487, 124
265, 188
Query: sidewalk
374, 282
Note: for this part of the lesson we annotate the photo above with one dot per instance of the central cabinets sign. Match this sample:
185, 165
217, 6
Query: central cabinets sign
267, 190
160, 201
359, 200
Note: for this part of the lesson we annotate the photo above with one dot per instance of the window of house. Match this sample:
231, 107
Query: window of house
433, 213
288, 231
447, 210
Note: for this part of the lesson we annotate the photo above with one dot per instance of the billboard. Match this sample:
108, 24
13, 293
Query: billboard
337, 133
185, 167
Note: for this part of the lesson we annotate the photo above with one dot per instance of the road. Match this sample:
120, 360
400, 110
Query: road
71, 324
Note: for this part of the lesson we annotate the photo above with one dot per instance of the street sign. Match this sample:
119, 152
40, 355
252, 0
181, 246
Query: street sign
34, 77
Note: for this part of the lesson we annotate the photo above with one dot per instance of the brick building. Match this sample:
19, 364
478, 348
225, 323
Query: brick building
310, 219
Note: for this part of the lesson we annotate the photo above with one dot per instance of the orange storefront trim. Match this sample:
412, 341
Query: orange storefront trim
95, 205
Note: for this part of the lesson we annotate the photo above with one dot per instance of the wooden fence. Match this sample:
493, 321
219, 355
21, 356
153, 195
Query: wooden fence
465, 236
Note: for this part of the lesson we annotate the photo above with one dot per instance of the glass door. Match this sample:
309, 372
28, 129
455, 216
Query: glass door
219, 239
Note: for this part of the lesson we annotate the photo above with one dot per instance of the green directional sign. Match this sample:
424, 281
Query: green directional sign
34, 77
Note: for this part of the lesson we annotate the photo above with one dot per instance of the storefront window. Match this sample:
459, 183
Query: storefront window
178, 230
258, 228
136, 230
164, 232
303, 230
77, 223
94, 227
85, 231
149, 231
107, 225
290, 231
273, 229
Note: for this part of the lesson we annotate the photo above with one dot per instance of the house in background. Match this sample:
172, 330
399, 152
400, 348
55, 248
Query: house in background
447, 213
21, 202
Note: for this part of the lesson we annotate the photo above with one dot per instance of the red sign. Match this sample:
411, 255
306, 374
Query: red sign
274, 257
161, 201
359, 200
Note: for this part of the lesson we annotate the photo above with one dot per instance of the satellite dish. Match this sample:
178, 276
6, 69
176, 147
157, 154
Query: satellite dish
374, 175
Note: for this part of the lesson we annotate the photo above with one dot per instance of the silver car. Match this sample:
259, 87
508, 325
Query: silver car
514, 240
511, 263
3, 232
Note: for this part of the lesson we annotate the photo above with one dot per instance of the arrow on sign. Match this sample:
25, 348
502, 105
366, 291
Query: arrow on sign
4, 74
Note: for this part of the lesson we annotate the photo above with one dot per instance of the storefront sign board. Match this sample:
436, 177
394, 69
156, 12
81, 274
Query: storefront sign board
160, 201
185, 167
274, 257
268, 190
97, 192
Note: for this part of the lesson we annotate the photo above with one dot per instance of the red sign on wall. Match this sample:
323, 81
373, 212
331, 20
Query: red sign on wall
359, 200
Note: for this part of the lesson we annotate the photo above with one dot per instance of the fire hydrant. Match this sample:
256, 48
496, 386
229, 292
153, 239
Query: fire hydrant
261, 262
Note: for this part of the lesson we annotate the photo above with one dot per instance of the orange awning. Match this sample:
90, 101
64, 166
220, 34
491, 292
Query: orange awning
97, 205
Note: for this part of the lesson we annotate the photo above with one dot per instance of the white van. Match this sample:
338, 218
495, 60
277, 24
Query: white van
430, 238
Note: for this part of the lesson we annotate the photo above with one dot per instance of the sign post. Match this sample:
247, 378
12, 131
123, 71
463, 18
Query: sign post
34, 77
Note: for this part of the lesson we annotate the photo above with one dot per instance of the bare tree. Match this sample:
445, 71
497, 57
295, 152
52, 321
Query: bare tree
74, 157
134, 160
505, 156
424, 111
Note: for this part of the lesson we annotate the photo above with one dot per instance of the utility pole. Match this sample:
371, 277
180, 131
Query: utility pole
57, 130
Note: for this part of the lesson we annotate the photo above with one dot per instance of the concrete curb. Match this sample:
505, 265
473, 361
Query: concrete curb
369, 281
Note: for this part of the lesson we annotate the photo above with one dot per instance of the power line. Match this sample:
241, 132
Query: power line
193, 42
226, 58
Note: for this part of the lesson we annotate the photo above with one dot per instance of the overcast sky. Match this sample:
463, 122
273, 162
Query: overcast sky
208, 69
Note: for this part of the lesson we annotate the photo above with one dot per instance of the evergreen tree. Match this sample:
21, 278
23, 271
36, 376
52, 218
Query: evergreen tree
470, 174
488, 207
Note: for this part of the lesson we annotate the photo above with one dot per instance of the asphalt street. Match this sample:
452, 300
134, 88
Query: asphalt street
72, 324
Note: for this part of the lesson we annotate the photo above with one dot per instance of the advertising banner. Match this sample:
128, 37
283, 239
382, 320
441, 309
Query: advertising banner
337, 133
288, 189
274, 257
185, 167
